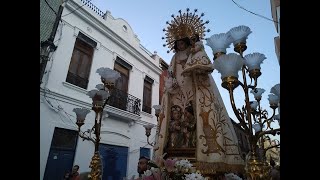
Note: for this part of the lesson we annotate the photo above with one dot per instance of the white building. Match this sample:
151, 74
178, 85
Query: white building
86, 40
275, 12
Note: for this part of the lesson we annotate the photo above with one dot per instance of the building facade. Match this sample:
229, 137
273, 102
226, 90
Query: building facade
86, 40
47, 17
163, 76
273, 151
275, 11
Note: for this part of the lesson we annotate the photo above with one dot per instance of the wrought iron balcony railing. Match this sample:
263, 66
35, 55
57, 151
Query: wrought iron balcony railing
124, 101
93, 7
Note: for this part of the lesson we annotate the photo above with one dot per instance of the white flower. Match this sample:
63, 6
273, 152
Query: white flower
184, 163
147, 173
156, 170
232, 176
194, 176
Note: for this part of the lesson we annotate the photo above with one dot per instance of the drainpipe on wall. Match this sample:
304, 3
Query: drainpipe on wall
48, 46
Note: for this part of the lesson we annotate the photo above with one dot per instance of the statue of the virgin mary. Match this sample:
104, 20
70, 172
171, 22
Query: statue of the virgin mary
193, 122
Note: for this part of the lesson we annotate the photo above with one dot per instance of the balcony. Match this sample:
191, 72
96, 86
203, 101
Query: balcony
93, 7
124, 101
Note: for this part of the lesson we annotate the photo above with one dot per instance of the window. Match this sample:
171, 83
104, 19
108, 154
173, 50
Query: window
147, 94
122, 82
64, 139
124, 28
80, 64
119, 95
145, 152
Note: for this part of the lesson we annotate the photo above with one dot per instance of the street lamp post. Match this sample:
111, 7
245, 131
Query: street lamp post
99, 97
148, 127
157, 110
250, 118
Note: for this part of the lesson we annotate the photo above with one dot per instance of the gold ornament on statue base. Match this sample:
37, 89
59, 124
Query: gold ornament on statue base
257, 169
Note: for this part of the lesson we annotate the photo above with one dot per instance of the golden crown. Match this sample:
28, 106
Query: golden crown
184, 25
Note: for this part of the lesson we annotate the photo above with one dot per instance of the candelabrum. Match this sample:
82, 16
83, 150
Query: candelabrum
99, 97
148, 127
251, 116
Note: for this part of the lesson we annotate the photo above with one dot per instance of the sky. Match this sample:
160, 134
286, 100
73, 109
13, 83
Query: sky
147, 18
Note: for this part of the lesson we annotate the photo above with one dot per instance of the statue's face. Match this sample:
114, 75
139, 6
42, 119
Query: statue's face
175, 115
181, 45
193, 39
187, 114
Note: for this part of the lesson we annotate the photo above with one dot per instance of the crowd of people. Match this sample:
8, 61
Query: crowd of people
142, 166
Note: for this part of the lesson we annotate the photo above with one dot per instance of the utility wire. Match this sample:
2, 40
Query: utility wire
76, 9
50, 7
254, 13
